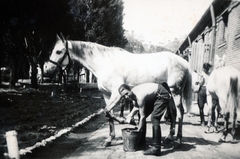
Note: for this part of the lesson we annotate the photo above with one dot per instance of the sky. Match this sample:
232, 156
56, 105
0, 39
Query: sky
161, 21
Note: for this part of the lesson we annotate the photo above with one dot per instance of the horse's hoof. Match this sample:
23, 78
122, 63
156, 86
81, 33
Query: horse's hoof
121, 120
234, 141
176, 145
221, 140
215, 130
106, 144
167, 140
208, 131
132, 122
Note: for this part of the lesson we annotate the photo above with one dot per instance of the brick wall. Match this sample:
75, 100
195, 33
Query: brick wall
228, 35
233, 54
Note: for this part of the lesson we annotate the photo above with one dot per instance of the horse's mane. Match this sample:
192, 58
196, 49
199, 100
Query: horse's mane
99, 47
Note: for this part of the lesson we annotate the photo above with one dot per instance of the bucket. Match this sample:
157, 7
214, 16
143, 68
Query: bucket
131, 138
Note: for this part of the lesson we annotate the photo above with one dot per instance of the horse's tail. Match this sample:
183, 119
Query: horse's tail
187, 91
232, 96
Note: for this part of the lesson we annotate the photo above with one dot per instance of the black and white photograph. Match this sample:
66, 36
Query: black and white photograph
120, 79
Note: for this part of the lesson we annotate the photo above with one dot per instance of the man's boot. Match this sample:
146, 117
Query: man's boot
156, 147
142, 141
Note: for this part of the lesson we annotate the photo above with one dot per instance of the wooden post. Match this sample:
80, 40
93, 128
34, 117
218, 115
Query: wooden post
12, 144
189, 41
212, 52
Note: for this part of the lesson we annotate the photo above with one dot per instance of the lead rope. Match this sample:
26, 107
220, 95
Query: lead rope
59, 134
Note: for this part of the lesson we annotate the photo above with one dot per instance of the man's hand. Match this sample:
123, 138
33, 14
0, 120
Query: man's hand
130, 121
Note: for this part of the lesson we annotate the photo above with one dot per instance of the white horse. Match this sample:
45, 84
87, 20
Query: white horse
114, 66
224, 88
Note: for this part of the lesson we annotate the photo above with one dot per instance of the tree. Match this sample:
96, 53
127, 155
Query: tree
31, 24
28, 28
134, 45
100, 20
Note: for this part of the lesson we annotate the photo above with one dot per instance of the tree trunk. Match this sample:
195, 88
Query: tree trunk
12, 81
0, 76
41, 67
78, 74
34, 83
87, 76
64, 77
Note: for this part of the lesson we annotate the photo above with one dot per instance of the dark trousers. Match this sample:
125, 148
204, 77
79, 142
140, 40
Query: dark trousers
202, 99
159, 108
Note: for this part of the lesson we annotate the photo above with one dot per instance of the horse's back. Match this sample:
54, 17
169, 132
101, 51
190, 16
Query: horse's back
134, 69
220, 79
156, 66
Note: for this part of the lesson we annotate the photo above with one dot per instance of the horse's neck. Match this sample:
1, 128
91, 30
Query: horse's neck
91, 55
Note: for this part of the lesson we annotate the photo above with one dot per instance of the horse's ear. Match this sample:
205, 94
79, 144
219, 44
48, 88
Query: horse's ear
62, 37
58, 37
67, 37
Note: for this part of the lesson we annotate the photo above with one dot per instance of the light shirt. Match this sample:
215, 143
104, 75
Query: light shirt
203, 79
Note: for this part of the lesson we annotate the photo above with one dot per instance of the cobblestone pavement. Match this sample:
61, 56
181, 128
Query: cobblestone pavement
196, 143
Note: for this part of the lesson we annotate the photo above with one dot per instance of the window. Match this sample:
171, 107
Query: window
225, 25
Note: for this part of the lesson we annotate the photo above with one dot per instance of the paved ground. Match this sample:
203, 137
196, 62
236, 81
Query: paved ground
196, 144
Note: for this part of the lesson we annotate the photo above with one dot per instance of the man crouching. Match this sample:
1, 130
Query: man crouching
151, 98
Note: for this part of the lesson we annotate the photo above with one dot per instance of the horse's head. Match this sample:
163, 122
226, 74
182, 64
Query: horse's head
219, 61
59, 57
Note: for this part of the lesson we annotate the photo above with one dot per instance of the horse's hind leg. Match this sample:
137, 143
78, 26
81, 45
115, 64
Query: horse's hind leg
211, 102
180, 113
226, 128
233, 132
172, 113
215, 114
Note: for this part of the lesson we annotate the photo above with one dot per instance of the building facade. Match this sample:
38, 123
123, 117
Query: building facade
216, 35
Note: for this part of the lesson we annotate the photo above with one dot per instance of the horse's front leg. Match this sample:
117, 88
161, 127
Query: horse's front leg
112, 134
115, 97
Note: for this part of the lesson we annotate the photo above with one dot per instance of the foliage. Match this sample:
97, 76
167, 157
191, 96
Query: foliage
100, 20
134, 45
29, 28
156, 48
173, 45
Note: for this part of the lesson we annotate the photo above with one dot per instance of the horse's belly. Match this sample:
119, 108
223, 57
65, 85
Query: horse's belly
146, 78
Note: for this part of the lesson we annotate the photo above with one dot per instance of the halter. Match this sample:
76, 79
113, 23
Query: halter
63, 57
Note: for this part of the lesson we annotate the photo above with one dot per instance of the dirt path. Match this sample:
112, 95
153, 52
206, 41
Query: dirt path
31, 113
196, 144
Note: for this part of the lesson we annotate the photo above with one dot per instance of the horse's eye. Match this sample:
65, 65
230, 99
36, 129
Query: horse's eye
59, 52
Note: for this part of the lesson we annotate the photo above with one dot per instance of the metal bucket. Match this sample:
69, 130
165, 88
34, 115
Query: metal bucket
131, 138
